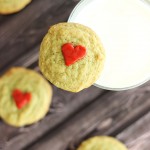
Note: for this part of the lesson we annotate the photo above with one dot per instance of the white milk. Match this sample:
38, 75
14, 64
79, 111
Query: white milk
124, 29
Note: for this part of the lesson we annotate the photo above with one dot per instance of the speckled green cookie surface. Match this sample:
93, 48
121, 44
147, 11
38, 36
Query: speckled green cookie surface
81, 74
102, 143
27, 81
12, 6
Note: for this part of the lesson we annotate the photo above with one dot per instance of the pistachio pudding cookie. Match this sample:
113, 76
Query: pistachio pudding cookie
102, 143
25, 97
71, 56
12, 6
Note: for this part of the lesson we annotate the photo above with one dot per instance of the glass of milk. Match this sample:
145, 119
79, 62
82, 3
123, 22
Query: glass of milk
124, 29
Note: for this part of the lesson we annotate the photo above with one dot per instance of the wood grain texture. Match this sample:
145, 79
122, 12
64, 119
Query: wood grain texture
137, 136
29, 26
105, 115
27, 60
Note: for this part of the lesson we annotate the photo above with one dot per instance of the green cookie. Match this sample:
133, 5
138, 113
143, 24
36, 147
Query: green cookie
82, 73
12, 6
102, 143
26, 81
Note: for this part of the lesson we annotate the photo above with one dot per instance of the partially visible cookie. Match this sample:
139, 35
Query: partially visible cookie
71, 56
12, 6
102, 143
25, 97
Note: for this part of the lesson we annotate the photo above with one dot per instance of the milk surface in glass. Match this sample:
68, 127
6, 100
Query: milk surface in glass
124, 29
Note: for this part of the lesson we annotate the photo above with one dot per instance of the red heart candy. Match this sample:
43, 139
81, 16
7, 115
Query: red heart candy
20, 98
72, 54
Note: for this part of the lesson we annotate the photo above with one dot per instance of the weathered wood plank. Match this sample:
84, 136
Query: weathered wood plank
137, 136
29, 26
26, 60
105, 115
3, 19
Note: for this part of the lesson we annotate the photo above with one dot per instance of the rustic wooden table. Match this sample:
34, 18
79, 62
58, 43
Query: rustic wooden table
72, 117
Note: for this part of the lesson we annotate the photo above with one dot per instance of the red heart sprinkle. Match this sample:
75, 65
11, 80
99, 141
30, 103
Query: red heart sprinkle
72, 54
20, 98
